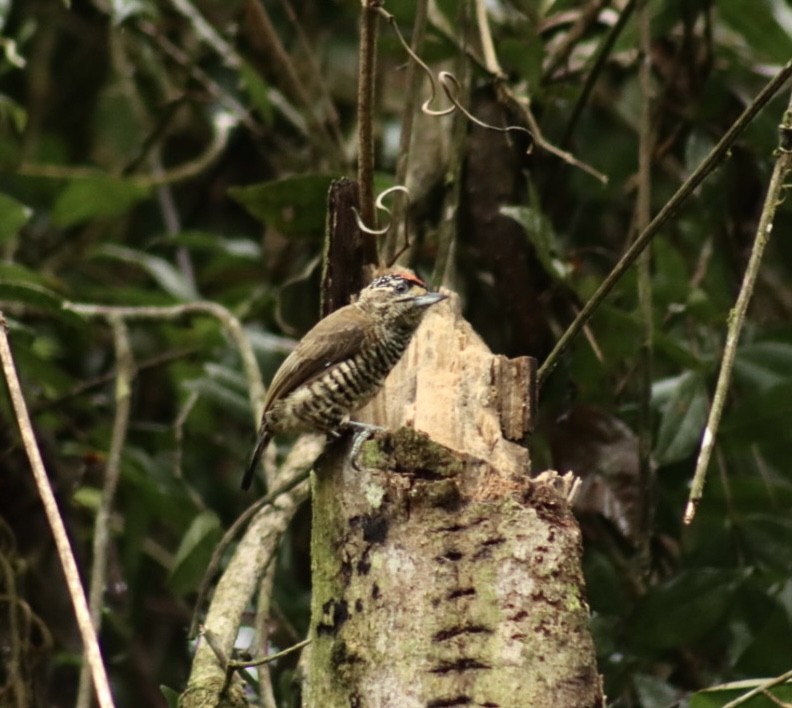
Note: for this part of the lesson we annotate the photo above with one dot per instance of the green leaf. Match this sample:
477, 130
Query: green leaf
122, 10
231, 378
194, 552
88, 498
221, 394
242, 248
761, 416
767, 536
13, 216
755, 22
171, 696
169, 278
671, 279
97, 197
697, 147
13, 272
653, 692
684, 608
258, 91
683, 416
12, 114
540, 233
298, 300
30, 294
295, 206
766, 628
764, 364
18, 284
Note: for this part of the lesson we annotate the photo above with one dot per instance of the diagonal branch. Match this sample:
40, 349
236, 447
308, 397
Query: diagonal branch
671, 207
62, 544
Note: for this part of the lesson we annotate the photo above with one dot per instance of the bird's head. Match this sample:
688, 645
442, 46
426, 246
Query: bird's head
399, 296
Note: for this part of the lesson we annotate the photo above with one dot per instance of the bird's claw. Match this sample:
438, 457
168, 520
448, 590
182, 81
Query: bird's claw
363, 431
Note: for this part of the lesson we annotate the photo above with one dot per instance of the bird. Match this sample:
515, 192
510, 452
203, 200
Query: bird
341, 363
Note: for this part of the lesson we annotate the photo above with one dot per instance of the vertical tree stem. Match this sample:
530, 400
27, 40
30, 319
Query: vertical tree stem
365, 109
413, 83
737, 314
125, 371
644, 215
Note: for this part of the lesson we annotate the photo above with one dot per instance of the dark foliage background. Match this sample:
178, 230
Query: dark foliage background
148, 159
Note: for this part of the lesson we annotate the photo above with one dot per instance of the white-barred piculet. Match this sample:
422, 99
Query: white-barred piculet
340, 364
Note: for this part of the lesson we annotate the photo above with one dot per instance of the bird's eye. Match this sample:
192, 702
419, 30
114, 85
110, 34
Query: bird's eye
402, 287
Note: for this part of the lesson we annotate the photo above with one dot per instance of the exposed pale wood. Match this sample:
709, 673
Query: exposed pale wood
447, 385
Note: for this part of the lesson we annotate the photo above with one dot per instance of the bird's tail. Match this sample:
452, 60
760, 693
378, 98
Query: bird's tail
264, 437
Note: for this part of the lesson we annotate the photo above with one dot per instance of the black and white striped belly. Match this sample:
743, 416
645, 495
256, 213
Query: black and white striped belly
342, 389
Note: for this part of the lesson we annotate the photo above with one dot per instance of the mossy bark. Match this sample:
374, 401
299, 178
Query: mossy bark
442, 577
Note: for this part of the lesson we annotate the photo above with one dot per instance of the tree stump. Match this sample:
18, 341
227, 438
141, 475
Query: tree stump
443, 574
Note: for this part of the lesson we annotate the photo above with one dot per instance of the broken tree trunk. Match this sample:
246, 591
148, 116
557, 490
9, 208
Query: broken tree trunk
443, 575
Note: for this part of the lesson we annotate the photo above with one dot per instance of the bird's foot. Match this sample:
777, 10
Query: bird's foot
362, 431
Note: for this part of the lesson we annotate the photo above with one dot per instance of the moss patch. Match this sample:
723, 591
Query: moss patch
409, 450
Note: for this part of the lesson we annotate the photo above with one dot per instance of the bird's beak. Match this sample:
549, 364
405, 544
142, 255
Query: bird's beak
429, 299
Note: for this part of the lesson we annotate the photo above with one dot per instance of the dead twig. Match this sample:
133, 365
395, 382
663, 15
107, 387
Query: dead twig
736, 320
62, 544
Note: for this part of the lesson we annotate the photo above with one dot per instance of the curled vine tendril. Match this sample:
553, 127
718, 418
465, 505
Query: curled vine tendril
451, 88
380, 206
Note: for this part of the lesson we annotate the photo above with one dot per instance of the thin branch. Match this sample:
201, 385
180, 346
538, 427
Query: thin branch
289, 77
208, 33
505, 94
643, 217
603, 52
447, 242
269, 658
487, 45
125, 373
365, 107
760, 689
261, 623
187, 63
253, 554
222, 124
524, 106
588, 16
320, 83
178, 456
737, 315
228, 537
65, 554
211, 639
669, 209
231, 324
413, 83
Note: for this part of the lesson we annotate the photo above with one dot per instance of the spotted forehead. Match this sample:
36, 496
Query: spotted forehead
385, 281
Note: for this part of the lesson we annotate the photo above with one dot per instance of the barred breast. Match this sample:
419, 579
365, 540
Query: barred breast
342, 389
